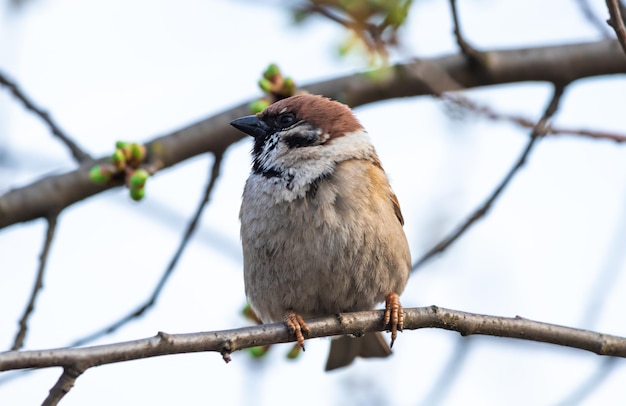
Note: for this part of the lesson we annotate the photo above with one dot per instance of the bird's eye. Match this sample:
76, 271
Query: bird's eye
286, 119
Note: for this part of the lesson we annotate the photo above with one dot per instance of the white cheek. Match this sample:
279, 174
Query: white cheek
302, 166
269, 152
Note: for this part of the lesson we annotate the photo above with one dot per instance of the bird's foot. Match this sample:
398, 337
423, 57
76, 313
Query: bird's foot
394, 315
297, 326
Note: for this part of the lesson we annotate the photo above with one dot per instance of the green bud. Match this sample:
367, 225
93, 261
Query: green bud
289, 87
258, 106
119, 159
126, 152
379, 75
138, 178
137, 193
258, 352
265, 85
137, 152
271, 71
396, 16
247, 310
294, 353
100, 174
249, 314
121, 144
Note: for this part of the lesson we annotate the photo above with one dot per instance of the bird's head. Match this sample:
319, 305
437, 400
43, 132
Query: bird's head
303, 133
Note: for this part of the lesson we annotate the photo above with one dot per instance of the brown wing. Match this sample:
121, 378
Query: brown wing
392, 196
396, 207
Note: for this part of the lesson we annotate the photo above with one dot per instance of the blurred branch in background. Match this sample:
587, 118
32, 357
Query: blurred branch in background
538, 131
593, 19
38, 285
78, 154
617, 21
592, 383
600, 292
490, 113
450, 373
554, 64
214, 174
469, 51
374, 24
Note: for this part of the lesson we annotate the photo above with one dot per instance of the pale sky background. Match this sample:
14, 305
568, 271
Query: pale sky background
110, 70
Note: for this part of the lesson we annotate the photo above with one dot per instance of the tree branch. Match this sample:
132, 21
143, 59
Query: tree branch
77, 152
450, 373
555, 64
593, 18
357, 323
538, 131
214, 173
600, 292
469, 51
605, 368
63, 385
18, 342
492, 114
617, 21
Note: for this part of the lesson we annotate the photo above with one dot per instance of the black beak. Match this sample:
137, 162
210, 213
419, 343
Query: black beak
251, 125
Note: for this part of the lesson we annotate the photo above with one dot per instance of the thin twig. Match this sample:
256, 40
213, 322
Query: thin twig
600, 293
538, 131
593, 18
592, 383
38, 285
468, 50
63, 385
617, 21
323, 11
490, 113
450, 373
77, 152
369, 33
191, 228
358, 323
607, 275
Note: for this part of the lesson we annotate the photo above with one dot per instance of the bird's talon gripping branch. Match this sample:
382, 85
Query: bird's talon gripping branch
296, 325
394, 315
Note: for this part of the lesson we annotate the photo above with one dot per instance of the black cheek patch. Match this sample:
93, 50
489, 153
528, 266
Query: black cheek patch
299, 141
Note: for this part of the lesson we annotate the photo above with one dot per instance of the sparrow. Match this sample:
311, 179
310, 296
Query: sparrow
321, 229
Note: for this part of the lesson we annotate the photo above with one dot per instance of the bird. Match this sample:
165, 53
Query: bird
321, 229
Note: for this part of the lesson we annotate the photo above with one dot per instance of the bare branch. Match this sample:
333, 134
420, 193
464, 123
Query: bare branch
43, 260
78, 154
468, 50
63, 385
450, 373
593, 18
617, 21
323, 11
538, 131
600, 292
555, 64
591, 384
191, 228
370, 34
357, 323
488, 112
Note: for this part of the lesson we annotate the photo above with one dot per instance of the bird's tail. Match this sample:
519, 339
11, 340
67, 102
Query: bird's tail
345, 349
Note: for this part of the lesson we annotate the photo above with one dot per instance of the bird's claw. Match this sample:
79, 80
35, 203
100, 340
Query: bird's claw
296, 325
394, 315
